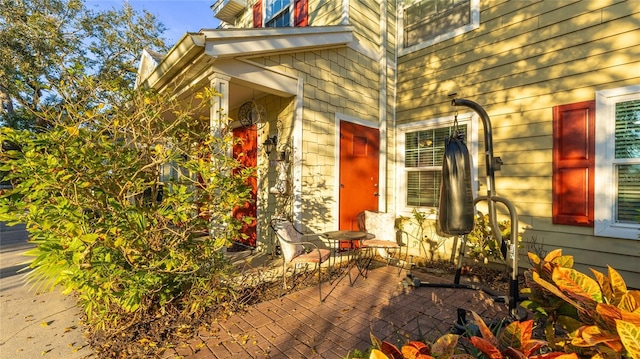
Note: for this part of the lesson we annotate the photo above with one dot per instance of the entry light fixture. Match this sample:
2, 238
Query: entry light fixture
270, 144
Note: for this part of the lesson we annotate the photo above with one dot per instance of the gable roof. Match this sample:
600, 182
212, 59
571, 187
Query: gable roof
149, 60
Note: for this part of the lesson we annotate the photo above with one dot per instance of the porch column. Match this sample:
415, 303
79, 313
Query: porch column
217, 114
219, 104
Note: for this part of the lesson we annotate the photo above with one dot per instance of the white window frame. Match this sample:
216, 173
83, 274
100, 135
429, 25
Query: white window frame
473, 24
605, 184
470, 119
268, 16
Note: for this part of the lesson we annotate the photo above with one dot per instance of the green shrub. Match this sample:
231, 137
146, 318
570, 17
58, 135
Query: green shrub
128, 201
482, 245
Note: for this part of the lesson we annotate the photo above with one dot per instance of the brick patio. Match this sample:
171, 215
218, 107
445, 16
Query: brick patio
299, 326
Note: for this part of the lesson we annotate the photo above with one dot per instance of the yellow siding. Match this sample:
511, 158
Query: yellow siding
323, 13
525, 58
335, 81
365, 16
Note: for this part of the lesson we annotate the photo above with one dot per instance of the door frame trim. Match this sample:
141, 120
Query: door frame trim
381, 163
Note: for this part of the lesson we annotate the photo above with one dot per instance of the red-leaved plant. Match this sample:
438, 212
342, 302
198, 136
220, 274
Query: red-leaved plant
598, 318
514, 341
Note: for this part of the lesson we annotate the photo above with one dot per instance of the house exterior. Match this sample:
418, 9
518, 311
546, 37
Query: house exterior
358, 95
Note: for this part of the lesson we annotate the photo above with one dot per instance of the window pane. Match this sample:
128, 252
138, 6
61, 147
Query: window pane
282, 20
411, 149
628, 194
426, 148
274, 6
426, 19
423, 188
424, 9
277, 13
627, 143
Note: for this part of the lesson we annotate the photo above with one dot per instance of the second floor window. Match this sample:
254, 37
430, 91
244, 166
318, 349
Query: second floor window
280, 13
277, 13
425, 22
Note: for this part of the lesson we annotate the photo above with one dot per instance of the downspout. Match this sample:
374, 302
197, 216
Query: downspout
345, 12
394, 99
382, 108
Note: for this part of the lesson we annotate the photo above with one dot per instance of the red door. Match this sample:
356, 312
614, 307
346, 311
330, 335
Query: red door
359, 159
249, 148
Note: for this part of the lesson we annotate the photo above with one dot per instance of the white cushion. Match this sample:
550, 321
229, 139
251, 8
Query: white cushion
381, 224
289, 238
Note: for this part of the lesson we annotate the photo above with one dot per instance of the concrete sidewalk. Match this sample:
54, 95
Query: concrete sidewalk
34, 324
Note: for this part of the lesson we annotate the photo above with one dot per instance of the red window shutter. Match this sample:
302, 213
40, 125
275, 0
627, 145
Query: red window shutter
573, 163
301, 13
257, 14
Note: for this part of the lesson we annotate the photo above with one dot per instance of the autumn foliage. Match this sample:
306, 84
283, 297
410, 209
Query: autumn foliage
596, 317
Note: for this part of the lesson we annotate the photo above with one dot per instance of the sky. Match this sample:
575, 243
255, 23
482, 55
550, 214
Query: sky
178, 16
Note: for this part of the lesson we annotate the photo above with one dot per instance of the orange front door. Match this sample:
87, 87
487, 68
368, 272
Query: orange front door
248, 147
359, 160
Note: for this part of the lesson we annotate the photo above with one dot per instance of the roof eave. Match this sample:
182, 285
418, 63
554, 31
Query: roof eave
255, 42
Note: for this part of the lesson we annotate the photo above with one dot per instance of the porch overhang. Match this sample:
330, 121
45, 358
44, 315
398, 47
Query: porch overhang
222, 44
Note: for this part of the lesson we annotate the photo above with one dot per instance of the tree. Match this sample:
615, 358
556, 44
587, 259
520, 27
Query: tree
45, 42
128, 194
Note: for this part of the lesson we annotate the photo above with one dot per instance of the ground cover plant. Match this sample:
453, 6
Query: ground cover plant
597, 318
574, 316
512, 341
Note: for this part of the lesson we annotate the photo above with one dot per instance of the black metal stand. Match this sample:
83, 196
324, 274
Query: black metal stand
508, 250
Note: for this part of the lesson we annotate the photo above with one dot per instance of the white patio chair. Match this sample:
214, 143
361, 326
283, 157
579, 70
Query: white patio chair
383, 226
295, 250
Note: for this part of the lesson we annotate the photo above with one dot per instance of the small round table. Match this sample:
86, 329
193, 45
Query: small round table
352, 240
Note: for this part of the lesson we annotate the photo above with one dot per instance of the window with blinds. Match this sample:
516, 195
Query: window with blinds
424, 150
617, 165
627, 154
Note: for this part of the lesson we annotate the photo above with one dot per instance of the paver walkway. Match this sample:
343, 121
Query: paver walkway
294, 326
299, 326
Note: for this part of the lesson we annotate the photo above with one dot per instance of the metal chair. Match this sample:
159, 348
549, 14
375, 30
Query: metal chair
295, 250
383, 226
